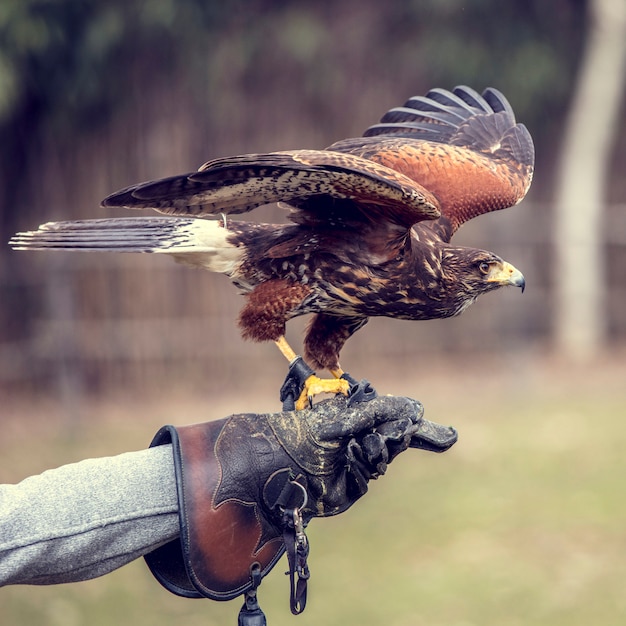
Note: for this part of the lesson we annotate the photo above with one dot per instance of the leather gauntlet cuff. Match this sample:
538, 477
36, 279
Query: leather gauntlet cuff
237, 477
223, 529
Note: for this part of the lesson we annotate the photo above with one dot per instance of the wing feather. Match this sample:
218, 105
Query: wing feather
466, 148
455, 154
241, 183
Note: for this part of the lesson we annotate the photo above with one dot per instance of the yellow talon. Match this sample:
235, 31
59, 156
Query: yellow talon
314, 385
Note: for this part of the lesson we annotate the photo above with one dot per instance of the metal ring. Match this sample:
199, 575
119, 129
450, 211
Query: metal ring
304, 493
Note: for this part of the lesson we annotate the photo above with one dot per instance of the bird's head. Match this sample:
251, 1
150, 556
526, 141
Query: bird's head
474, 272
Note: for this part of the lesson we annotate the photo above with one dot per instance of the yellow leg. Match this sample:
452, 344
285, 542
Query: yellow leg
313, 385
285, 349
338, 373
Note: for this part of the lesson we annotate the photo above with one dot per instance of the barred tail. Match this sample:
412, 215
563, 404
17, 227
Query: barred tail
196, 242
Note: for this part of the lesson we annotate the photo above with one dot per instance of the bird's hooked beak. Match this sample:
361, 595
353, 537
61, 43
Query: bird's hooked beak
507, 275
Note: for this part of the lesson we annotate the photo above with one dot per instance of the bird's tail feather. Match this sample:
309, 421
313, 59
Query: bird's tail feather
195, 242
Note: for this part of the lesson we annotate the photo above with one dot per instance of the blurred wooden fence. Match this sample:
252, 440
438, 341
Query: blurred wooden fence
105, 321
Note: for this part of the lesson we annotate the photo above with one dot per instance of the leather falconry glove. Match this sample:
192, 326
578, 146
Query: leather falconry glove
248, 484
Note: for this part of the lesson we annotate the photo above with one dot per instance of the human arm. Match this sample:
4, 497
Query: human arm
85, 519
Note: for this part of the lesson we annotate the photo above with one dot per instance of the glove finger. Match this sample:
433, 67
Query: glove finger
374, 448
427, 435
376, 453
358, 470
334, 419
396, 429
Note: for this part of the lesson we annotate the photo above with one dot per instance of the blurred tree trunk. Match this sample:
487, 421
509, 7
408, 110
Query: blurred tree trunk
580, 195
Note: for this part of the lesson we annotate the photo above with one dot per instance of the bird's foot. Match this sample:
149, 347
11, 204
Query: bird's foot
314, 386
302, 385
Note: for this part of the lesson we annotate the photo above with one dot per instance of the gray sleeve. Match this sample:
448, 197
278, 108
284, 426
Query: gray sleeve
86, 519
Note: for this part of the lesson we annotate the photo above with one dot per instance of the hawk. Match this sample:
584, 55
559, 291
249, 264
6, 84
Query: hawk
371, 223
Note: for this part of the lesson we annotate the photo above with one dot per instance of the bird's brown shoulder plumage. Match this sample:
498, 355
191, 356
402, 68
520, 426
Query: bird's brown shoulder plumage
466, 149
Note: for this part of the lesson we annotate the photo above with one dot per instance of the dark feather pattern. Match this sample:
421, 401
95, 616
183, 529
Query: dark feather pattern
372, 220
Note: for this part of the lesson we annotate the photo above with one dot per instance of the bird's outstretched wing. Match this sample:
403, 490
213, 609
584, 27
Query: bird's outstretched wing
241, 183
447, 154
465, 148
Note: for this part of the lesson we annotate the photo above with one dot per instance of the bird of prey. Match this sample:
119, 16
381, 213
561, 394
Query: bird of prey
372, 220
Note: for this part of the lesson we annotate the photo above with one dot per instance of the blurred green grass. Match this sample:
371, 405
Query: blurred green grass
522, 522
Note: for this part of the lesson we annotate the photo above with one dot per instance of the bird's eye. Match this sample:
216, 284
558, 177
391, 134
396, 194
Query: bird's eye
484, 267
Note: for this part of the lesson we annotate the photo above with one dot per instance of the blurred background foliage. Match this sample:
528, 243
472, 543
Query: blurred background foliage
70, 63
66, 67
522, 522
97, 95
